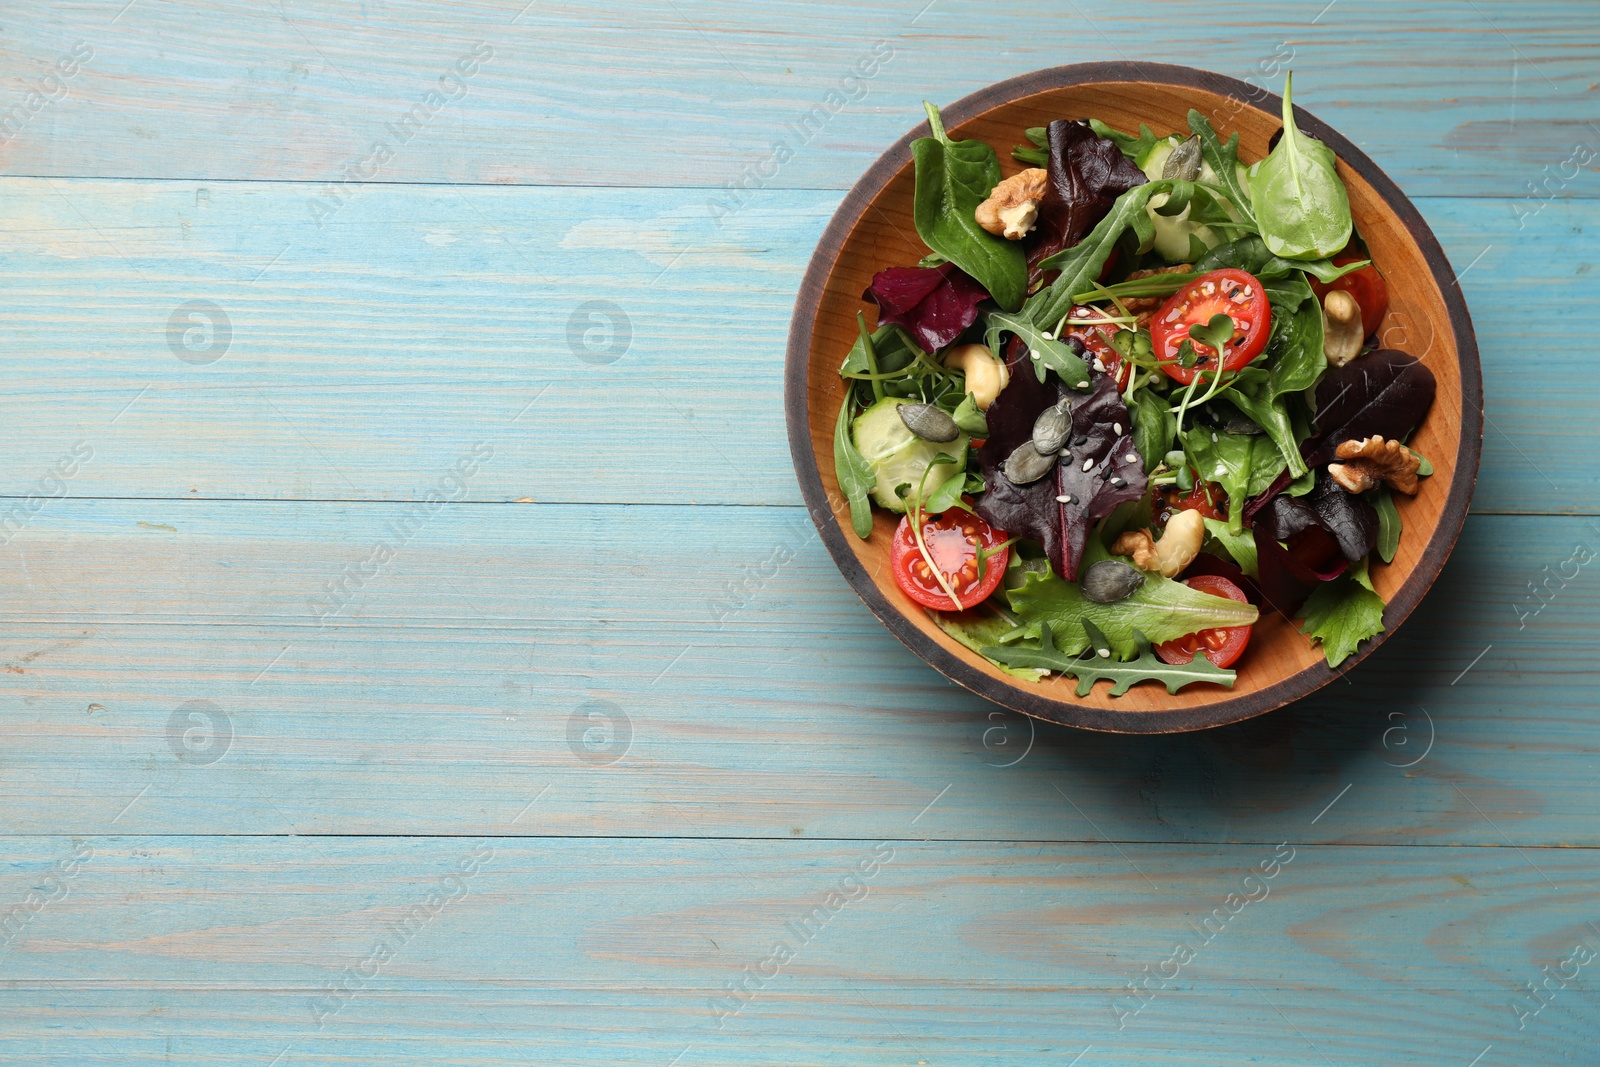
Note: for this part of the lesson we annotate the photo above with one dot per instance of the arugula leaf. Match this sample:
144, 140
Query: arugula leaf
1161, 609
1132, 147
1099, 666
1252, 395
892, 347
952, 179
1240, 546
854, 474
969, 419
1303, 208
1224, 160
1054, 354
1080, 265
984, 627
1342, 613
1388, 523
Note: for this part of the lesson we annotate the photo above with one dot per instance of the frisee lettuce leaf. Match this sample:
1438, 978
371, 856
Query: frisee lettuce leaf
1341, 614
1161, 609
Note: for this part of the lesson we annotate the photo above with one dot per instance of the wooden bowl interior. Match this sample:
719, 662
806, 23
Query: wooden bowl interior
1417, 322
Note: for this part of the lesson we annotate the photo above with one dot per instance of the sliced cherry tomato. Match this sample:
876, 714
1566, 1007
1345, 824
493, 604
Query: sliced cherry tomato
952, 539
1230, 292
1093, 339
1206, 497
1366, 285
1221, 646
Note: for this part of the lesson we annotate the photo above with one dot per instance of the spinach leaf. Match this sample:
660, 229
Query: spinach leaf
953, 178
1160, 609
1302, 208
969, 419
1243, 464
1249, 253
1094, 668
1054, 354
854, 474
1154, 426
1080, 265
1388, 524
1294, 350
1342, 613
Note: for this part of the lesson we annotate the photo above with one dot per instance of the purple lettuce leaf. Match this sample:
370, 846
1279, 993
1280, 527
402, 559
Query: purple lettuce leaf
1087, 173
1321, 534
1286, 576
1034, 510
934, 304
1386, 393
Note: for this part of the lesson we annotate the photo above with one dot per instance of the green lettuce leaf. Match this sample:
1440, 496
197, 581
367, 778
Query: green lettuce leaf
1161, 609
1342, 613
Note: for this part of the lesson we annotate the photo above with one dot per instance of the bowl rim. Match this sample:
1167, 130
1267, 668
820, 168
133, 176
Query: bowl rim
1012, 694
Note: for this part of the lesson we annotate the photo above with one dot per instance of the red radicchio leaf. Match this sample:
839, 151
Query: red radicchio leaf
934, 304
1033, 510
1087, 173
1288, 575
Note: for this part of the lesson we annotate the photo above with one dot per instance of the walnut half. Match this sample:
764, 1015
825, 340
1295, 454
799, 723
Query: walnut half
1013, 205
1375, 461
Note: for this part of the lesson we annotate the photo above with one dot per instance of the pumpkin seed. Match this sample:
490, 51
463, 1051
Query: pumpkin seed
929, 423
1027, 464
1110, 580
1050, 429
1184, 162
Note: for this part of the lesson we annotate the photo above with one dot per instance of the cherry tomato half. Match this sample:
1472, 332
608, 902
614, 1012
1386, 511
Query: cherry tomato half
1220, 646
1366, 285
1230, 292
1095, 344
952, 539
1206, 497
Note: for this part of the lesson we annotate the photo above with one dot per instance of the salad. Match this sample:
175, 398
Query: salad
1131, 401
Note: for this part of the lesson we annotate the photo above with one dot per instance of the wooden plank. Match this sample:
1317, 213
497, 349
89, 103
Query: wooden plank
366, 357
1479, 101
705, 671
577, 952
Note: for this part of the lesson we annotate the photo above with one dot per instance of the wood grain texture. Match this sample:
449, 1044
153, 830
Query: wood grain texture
365, 356
1448, 98
579, 952
765, 707
761, 697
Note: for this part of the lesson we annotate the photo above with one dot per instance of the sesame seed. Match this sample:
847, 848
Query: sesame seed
1033, 353
1117, 483
1066, 453
1063, 500
1131, 457
1116, 428
1099, 366
1047, 335
1103, 653
1083, 385
1087, 464
1213, 438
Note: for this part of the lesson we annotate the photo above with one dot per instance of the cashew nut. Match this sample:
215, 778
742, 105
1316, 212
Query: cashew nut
1342, 335
1177, 548
985, 374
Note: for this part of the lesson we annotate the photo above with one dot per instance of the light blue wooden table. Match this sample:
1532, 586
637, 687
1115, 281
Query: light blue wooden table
414, 650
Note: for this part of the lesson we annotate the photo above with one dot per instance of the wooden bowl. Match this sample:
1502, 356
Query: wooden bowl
1427, 318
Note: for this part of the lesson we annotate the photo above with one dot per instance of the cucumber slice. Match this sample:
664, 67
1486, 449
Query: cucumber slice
1177, 239
898, 456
